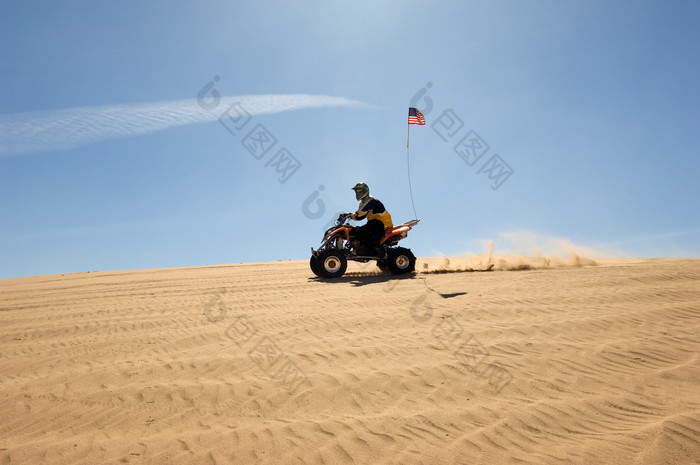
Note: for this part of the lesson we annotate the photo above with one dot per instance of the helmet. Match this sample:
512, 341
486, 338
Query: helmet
361, 190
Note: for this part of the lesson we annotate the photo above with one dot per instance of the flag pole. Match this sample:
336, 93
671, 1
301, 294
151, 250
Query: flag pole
408, 167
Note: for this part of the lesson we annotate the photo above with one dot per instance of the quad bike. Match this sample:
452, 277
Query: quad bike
339, 245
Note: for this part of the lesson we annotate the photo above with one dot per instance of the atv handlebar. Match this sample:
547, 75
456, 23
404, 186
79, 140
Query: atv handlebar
342, 217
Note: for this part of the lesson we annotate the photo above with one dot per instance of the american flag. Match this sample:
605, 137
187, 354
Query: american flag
415, 116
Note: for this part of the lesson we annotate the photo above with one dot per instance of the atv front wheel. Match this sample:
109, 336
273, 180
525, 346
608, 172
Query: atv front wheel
313, 264
401, 260
331, 263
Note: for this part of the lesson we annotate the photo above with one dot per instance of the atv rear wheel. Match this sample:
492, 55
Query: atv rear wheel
401, 260
331, 263
313, 264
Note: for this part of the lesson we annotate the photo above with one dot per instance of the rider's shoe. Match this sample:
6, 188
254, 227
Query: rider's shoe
363, 251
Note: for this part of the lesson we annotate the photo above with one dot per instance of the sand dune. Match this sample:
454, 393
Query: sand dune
263, 363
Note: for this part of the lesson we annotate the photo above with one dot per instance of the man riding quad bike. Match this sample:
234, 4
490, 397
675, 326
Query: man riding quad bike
375, 240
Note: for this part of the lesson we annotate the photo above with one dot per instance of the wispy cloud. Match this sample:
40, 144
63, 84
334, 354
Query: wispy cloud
22, 133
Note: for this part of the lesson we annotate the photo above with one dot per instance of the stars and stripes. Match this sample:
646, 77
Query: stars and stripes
415, 116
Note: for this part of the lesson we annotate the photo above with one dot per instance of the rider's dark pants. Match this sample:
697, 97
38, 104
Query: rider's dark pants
371, 233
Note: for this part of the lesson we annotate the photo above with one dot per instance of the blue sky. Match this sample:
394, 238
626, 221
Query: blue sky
108, 161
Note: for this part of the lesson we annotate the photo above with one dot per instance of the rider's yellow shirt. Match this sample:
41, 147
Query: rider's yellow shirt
373, 209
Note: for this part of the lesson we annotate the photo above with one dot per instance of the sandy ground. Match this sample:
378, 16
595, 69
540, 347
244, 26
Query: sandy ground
263, 363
